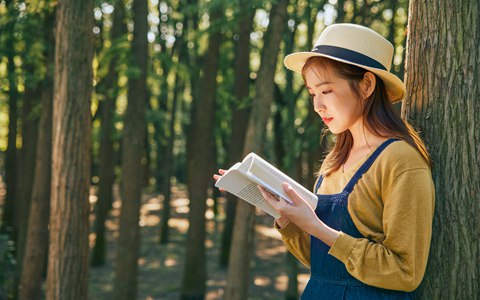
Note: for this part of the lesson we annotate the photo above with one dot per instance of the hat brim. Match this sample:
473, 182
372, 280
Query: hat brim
395, 88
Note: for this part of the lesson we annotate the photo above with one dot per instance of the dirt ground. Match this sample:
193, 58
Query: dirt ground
161, 266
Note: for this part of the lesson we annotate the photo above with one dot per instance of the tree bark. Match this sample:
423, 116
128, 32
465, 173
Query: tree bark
240, 116
442, 75
125, 286
242, 243
106, 167
69, 223
169, 156
26, 163
36, 245
200, 167
165, 155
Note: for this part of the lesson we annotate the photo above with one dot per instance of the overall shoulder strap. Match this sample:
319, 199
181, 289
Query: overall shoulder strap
319, 183
366, 165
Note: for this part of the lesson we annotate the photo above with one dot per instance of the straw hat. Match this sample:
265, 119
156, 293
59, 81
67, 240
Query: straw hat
356, 45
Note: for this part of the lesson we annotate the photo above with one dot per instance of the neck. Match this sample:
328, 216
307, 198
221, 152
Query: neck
362, 137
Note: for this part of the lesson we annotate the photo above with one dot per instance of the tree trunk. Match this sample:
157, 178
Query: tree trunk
164, 229
165, 157
107, 163
242, 243
289, 152
240, 117
125, 286
11, 155
26, 163
69, 223
200, 167
36, 245
442, 75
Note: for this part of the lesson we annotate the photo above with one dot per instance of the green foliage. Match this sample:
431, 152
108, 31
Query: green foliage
119, 49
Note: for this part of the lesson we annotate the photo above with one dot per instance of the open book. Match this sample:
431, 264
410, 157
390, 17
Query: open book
242, 180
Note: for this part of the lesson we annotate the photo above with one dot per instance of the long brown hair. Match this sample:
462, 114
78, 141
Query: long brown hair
378, 115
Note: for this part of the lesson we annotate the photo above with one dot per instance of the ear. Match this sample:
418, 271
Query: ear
367, 85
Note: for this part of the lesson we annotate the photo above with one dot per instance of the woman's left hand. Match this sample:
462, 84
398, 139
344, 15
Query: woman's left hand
299, 212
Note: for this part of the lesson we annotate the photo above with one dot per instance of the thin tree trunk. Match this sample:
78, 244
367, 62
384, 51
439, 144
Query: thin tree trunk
160, 124
340, 11
240, 117
242, 243
69, 223
11, 155
36, 246
125, 285
442, 76
200, 168
107, 163
25, 176
164, 229
290, 151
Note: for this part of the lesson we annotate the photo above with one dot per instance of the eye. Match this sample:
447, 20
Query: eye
312, 96
326, 92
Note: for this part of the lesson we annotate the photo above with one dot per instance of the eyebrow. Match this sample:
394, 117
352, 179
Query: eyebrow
320, 84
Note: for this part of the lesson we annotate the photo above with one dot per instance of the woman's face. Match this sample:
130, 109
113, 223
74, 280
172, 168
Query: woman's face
333, 99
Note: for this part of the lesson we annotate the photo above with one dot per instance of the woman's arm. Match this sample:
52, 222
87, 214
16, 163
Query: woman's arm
295, 240
399, 261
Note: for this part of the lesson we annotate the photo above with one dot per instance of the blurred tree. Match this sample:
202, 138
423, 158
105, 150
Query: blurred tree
126, 271
241, 108
442, 76
36, 244
286, 143
242, 243
166, 114
200, 161
34, 66
313, 127
13, 95
69, 223
164, 60
109, 89
169, 161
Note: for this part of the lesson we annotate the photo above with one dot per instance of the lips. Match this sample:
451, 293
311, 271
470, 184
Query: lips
327, 120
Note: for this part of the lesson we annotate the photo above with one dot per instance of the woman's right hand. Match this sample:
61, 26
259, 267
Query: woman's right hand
217, 176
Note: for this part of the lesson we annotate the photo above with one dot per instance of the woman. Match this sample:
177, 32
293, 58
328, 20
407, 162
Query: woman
369, 235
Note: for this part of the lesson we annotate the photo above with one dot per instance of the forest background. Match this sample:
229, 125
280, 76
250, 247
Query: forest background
115, 114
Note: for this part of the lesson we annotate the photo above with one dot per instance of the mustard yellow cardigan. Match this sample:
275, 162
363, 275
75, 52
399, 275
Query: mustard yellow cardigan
392, 206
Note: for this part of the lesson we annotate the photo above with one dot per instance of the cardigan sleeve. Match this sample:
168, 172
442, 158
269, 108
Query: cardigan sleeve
399, 261
296, 241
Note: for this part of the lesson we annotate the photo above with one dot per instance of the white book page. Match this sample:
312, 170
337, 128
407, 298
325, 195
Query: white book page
235, 182
267, 175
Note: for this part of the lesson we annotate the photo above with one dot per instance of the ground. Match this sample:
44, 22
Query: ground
161, 266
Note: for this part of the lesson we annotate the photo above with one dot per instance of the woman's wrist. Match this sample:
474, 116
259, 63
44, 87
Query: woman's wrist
282, 222
324, 233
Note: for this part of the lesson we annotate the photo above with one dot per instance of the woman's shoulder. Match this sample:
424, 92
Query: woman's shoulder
401, 156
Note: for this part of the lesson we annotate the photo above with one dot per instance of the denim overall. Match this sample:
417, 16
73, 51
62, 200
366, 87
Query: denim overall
330, 278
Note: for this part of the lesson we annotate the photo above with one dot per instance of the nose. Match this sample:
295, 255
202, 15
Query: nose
318, 106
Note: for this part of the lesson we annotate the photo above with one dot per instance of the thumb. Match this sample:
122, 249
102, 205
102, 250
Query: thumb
291, 193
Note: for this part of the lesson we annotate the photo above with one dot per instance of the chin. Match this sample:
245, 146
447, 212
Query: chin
336, 131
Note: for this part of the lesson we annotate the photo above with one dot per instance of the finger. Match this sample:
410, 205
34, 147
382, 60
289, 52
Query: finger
291, 193
270, 194
222, 171
268, 197
216, 177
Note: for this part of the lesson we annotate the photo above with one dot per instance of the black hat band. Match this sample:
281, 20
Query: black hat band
348, 55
